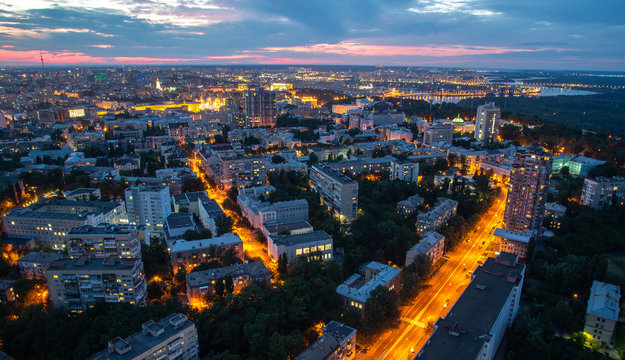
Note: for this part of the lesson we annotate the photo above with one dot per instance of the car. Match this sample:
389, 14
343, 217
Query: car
483, 242
469, 240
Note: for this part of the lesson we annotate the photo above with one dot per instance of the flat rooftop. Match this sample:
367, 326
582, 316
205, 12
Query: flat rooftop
223, 240
140, 342
41, 257
604, 300
358, 288
83, 263
335, 174
513, 235
313, 236
461, 334
180, 221
205, 277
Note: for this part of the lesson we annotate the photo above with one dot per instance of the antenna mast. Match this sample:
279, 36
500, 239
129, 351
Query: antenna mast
41, 55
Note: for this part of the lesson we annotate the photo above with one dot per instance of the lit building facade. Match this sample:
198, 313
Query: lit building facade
260, 108
338, 192
149, 206
527, 195
487, 122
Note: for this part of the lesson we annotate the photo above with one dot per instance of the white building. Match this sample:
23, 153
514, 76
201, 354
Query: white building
431, 245
404, 170
305, 244
171, 338
149, 206
487, 122
603, 192
602, 312
437, 216
437, 132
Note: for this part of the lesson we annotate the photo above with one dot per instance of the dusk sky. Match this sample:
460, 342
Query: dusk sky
534, 34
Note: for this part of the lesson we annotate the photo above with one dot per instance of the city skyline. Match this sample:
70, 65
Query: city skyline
460, 33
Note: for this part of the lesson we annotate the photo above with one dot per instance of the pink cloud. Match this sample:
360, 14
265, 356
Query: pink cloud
352, 48
68, 57
101, 46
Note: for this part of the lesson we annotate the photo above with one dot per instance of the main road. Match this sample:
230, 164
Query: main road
439, 293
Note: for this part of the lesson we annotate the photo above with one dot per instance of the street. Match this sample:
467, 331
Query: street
440, 293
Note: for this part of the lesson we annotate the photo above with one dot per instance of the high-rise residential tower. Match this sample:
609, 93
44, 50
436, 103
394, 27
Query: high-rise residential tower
260, 108
149, 206
527, 195
487, 122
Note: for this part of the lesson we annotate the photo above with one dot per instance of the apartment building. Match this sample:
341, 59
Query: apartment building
555, 212
527, 195
35, 264
487, 122
189, 254
409, 205
317, 245
103, 241
578, 165
477, 322
405, 170
338, 192
171, 338
603, 192
355, 291
149, 206
201, 283
48, 221
338, 342
363, 165
438, 132
432, 245
602, 312
433, 219
514, 242
260, 213
80, 283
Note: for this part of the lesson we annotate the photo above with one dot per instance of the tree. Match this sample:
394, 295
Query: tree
282, 264
192, 184
313, 159
224, 224
381, 310
277, 159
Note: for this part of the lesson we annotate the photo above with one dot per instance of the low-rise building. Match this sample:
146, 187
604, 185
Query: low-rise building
338, 342
35, 264
475, 325
437, 216
7, 292
84, 194
171, 338
80, 283
602, 312
177, 224
338, 192
514, 242
317, 245
554, 212
437, 132
432, 245
578, 165
603, 192
409, 206
189, 254
356, 290
201, 283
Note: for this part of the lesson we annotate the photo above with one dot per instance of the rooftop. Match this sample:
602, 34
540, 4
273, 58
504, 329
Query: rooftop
103, 229
462, 333
334, 335
429, 240
41, 257
223, 240
83, 263
604, 300
180, 221
313, 236
334, 174
513, 235
358, 288
153, 334
204, 277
